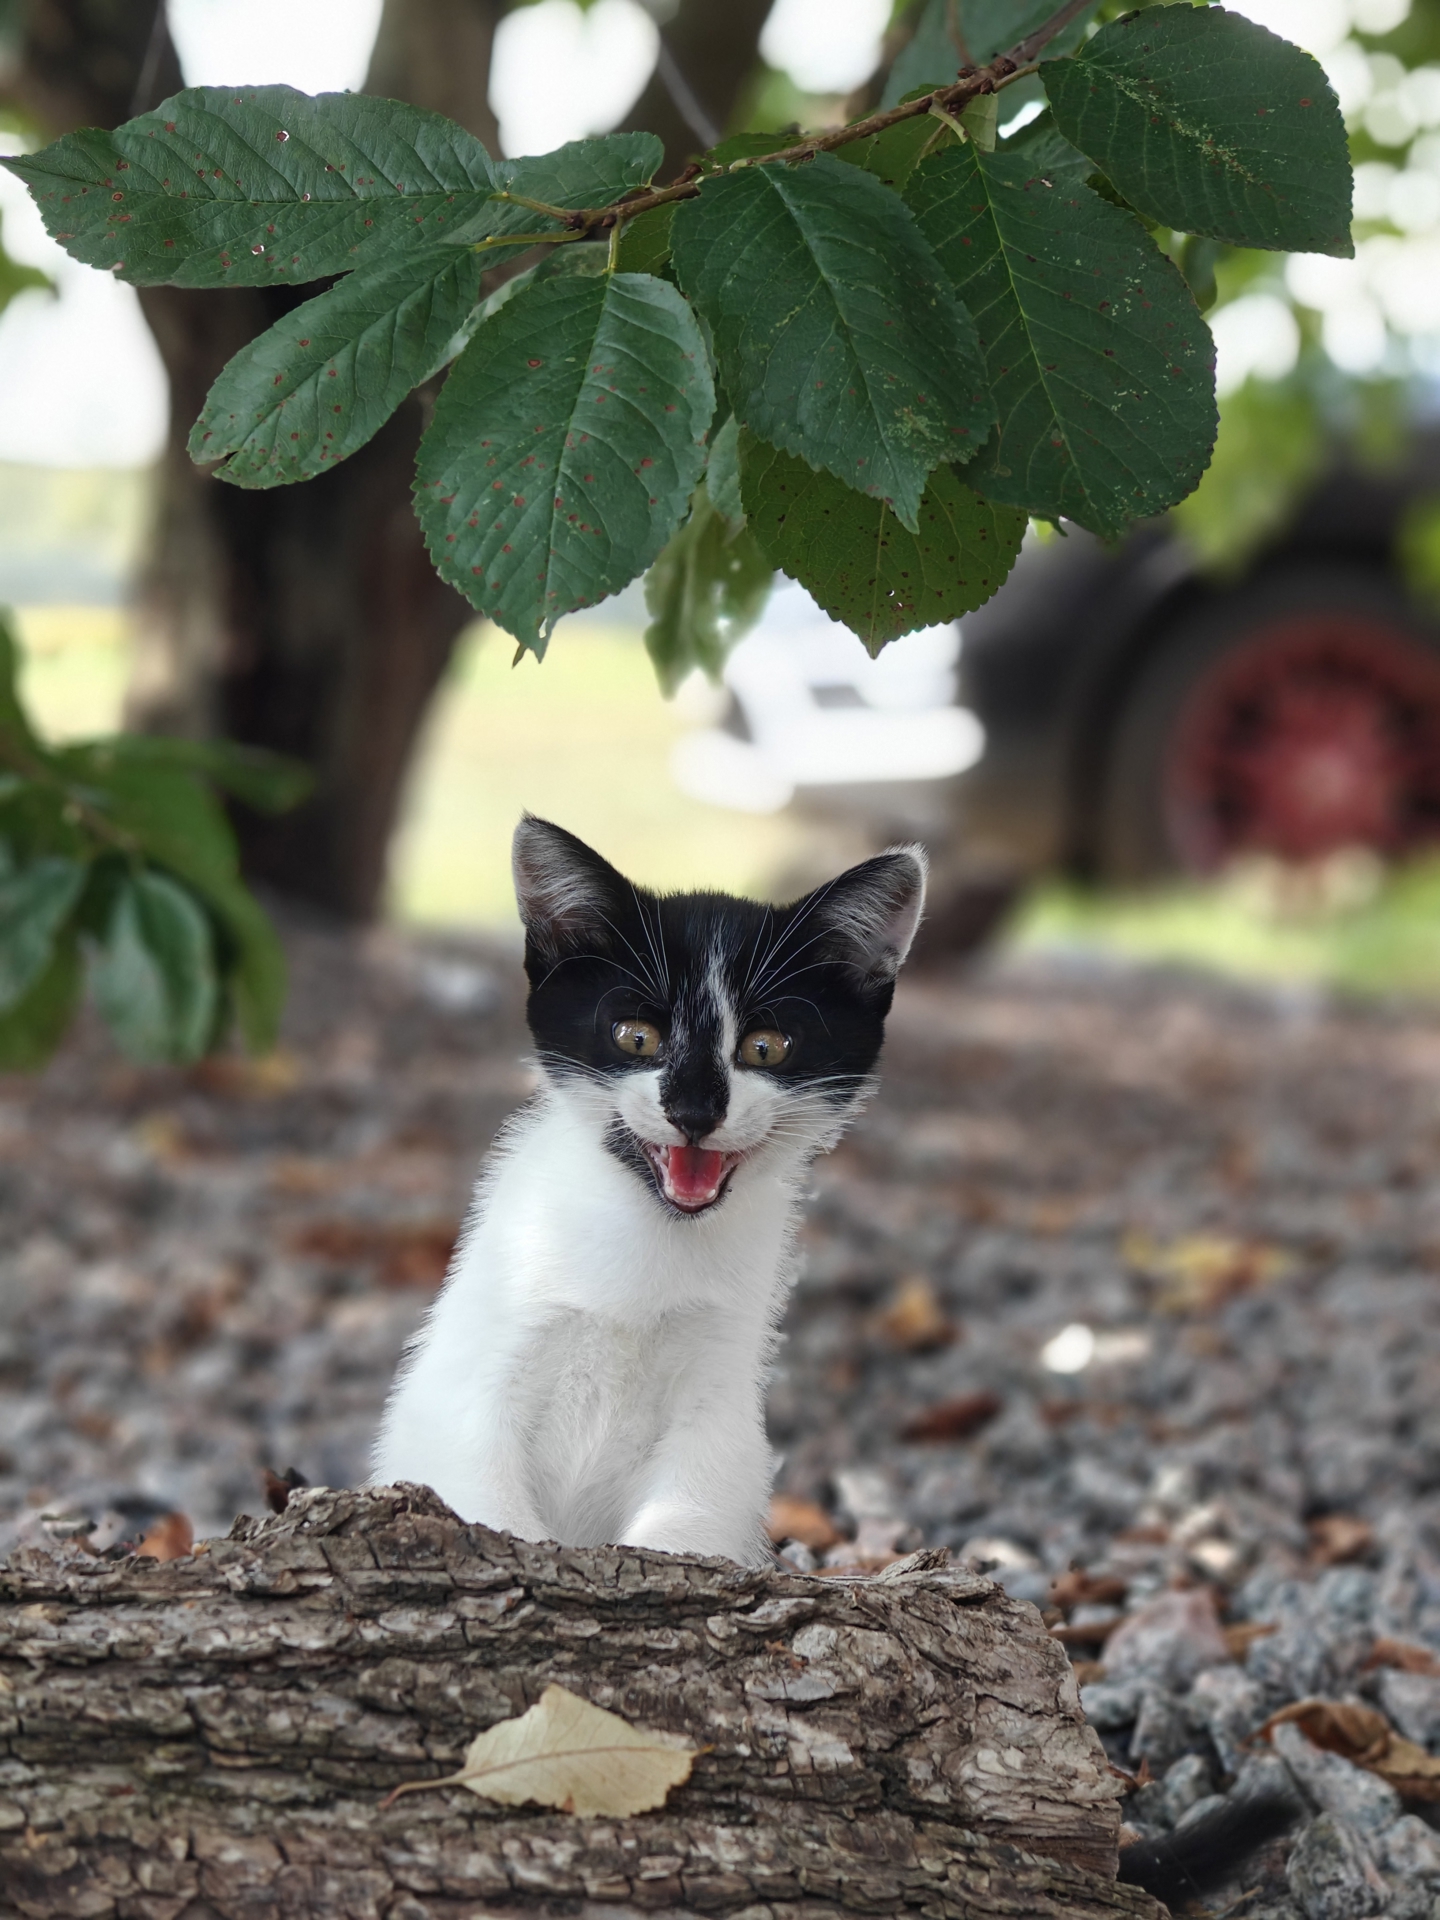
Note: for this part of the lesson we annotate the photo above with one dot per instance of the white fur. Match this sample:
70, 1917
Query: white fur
594, 1368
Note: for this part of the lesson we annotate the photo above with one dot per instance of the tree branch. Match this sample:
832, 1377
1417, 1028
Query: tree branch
948, 100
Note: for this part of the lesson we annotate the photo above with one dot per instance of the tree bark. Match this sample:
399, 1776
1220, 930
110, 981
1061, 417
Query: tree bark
308, 619
213, 1737
715, 48
305, 619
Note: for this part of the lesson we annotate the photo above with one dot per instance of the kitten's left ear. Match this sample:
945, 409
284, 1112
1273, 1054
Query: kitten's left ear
874, 910
566, 893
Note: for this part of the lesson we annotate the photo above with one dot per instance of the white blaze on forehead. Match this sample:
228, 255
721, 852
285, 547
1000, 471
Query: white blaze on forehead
717, 986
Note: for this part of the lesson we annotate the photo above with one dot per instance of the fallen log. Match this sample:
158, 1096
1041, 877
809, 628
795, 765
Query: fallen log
214, 1736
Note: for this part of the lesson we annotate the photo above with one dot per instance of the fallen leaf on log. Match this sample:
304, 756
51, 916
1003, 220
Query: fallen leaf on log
1404, 1655
169, 1538
1363, 1735
279, 1487
566, 1753
802, 1520
953, 1419
914, 1320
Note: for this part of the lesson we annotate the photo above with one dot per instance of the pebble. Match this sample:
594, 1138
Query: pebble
203, 1273
1363, 1800
1331, 1874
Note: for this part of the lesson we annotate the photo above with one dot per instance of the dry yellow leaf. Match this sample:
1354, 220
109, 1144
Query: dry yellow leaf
1200, 1272
568, 1754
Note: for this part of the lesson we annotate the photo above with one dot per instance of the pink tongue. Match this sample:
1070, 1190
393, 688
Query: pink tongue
694, 1172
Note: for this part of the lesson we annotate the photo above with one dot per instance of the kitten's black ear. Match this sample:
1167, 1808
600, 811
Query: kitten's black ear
873, 910
566, 893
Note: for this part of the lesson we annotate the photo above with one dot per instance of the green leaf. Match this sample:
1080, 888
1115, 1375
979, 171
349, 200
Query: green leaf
839, 337
229, 187
35, 902
16, 732
154, 977
324, 379
583, 173
1102, 368
269, 782
893, 155
565, 445
705, 591
31, 1030
645, 240
17, 279
1211, 124
856, 559
722, 473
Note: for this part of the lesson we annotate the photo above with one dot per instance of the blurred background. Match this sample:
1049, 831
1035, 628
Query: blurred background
1219, 743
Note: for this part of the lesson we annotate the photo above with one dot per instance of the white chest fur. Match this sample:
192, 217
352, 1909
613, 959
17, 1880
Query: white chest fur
593, 1369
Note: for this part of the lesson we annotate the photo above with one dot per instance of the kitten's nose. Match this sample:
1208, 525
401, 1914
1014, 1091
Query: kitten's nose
695, 1118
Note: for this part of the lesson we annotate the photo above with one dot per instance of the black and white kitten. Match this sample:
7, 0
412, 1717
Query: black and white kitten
594, 1367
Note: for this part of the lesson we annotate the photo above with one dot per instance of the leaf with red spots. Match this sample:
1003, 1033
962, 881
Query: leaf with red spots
212, 197
858, 561
838, 335
1100, 363
1207, 122
531, 482
276, 415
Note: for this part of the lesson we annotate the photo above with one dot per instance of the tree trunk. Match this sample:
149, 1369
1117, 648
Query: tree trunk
213, 1737
714, 48
308, 619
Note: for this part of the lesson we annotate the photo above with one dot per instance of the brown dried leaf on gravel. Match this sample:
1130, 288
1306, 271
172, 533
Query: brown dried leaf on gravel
1337, 1538
802, 1520
169, 1538
913, 1318
1199, 1272
1403, 1655
404, 1256
953, 1419
1363, 1735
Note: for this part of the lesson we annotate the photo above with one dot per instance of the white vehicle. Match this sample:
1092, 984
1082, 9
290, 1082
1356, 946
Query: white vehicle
811, 717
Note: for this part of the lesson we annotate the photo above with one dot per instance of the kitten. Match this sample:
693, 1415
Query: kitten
593, 1370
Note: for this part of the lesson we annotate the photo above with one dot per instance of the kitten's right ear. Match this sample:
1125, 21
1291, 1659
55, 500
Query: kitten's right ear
566, 893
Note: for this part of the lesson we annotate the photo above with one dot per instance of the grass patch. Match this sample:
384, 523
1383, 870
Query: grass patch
1387, 941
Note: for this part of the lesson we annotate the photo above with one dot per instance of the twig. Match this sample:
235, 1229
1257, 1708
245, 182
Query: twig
683, 97
949, 100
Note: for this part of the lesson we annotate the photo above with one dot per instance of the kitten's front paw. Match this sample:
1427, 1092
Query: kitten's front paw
679, 1526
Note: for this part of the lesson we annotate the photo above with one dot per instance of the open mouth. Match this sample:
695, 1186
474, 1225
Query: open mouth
691, 1178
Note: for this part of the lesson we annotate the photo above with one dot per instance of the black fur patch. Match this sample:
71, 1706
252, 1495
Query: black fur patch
610, 951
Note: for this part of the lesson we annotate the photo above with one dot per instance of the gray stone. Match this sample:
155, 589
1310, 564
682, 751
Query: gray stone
1201, 1810
1168, 1640
1332, 1875
1412, 1700
1163, 1730
1363, 1800
1230, 1706
1110, 1704
1187, 1782
1409, 1849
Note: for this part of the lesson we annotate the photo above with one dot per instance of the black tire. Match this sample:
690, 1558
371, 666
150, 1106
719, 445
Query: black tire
1143, 829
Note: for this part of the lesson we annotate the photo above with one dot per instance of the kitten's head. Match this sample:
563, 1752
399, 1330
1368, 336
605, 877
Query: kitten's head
714, 1036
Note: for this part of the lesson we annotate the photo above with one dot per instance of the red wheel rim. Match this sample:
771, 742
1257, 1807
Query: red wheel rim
1317, 732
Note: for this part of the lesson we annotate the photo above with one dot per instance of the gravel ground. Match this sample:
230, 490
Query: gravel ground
1125, 1286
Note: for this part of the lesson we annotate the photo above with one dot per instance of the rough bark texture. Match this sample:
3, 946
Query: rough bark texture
306, 619
214, 1736
715, 48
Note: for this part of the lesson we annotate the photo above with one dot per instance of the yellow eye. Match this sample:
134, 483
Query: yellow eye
636, 1038
763, 1048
